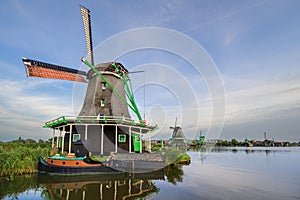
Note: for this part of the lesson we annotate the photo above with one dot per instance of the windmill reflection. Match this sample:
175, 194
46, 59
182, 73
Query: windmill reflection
116, 186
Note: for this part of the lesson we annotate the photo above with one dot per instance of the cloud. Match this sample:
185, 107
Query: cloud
262, 101
23, 111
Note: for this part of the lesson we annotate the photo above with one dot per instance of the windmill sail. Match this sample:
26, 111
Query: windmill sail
45, 70
85, 14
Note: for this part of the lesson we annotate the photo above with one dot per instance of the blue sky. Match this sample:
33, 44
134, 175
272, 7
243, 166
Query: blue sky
255, 44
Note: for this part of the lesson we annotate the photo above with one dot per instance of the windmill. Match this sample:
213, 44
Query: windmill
178, 139
108, 83
104, 124
201, 139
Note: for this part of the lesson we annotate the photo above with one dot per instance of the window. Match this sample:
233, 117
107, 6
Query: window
101, 116
76, 137
103, 85
102, 102
122, 182
122, 138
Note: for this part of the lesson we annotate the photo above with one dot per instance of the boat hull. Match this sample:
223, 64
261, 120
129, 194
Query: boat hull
120, 162
45, 167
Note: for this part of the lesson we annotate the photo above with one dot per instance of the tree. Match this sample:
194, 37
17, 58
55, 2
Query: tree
234, 142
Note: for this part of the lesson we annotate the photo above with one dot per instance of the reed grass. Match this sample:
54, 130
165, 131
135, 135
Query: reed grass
19, 157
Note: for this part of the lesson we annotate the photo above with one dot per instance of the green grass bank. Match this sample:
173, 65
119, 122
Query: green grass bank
20, 156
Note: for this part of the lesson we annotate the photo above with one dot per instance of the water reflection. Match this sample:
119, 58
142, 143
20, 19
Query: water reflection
11, 189
205, 151
251, 149
174, 174
243, 173
100, 186
117, 186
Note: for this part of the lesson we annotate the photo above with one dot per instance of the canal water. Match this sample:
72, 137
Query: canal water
225, 173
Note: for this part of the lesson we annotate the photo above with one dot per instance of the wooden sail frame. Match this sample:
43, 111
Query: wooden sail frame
40, 69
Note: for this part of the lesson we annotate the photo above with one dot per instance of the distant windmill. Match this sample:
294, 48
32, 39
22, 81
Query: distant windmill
265, 136
178, 139
201, 139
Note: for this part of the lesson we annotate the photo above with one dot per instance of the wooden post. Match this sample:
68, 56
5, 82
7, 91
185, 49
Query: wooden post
70, 138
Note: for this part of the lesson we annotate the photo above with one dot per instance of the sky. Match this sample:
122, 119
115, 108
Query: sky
254, 45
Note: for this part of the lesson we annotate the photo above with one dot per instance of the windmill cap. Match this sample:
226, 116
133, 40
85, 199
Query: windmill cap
108, 67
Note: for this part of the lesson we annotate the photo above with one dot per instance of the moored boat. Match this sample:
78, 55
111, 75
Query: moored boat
63, 165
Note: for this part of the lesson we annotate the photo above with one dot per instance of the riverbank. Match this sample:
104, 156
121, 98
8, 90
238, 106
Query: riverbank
246, 143
20, 156
174, 157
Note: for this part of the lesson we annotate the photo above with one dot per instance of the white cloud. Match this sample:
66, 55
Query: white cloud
23, 111
262, 101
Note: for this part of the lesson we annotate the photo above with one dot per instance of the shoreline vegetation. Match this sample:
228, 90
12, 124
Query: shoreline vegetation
173, 156
245, 143
20, 156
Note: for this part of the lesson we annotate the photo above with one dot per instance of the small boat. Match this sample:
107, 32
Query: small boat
120, 162
77, 165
